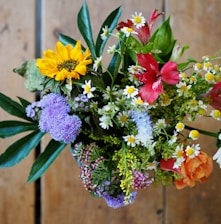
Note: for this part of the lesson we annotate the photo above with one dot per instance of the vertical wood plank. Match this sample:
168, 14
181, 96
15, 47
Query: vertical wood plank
197, 24
64, 199
17, 44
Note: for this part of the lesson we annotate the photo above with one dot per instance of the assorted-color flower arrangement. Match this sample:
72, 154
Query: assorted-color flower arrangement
128, 124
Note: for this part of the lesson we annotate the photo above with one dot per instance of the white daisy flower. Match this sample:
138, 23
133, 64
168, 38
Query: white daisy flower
131, 140
122, 117
216, 114
128, 31
111, 49
198, 67
88, 89
182, 88
173, 139
192, 151
105, 32
152, 165
130, 91
136, 69
138, 20
105, 122
194, 134
97, 63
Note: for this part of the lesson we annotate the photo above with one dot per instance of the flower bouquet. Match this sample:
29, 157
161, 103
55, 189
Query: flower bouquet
128, 124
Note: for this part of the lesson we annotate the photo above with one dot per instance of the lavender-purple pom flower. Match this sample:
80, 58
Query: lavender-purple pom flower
55, 118
119, 200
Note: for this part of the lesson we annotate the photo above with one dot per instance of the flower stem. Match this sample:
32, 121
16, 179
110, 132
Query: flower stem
211, 134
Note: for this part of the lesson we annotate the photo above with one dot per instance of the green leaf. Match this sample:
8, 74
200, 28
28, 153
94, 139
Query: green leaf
163, 38
45, 159
20, 149
66, 40
84, 25
23, 102
111, 22
12, 107
10, 128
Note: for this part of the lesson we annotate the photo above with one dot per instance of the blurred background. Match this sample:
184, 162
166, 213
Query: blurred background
29, 26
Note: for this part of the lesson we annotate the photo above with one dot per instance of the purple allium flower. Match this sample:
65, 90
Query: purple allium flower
143, 123
141, 180
119, 200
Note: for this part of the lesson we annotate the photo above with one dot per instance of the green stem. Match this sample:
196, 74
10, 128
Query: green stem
211, 134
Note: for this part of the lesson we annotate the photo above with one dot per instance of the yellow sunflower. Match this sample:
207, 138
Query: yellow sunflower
65, 62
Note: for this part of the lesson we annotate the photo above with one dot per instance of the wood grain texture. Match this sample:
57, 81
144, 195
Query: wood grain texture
17, 44
64, 198
197, 24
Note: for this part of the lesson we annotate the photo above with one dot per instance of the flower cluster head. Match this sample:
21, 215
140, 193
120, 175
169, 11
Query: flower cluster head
54, 118
129, 124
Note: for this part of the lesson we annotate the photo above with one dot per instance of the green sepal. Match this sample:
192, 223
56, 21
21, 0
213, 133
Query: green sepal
12, 107
84, 26
10, 128
111, 21
45, 159
20, 149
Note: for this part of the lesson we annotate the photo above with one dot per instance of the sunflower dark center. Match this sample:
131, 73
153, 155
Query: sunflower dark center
69, 65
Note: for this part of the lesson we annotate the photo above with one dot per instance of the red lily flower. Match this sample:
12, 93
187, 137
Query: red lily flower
153, 77
214, 96
168, 165
144, 32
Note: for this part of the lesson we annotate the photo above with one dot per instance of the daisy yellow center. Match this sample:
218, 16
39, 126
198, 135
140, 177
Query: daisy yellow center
166, 101
68, 65
183, 88
217, 113
194, 134
137, 19
87, 89
180, 126
129, 30
201, 111
184, 76
190, 151
179, 154
199, 66
209, 76
123, 118
139, 101
131, 139
207, 64
130, 90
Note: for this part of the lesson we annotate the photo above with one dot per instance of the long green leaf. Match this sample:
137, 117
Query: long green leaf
12, 107
10, 128
20, 149
45, 159
84, 25
68, 40
111, 22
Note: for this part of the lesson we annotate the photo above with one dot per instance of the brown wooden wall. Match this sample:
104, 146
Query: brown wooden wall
63, 199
